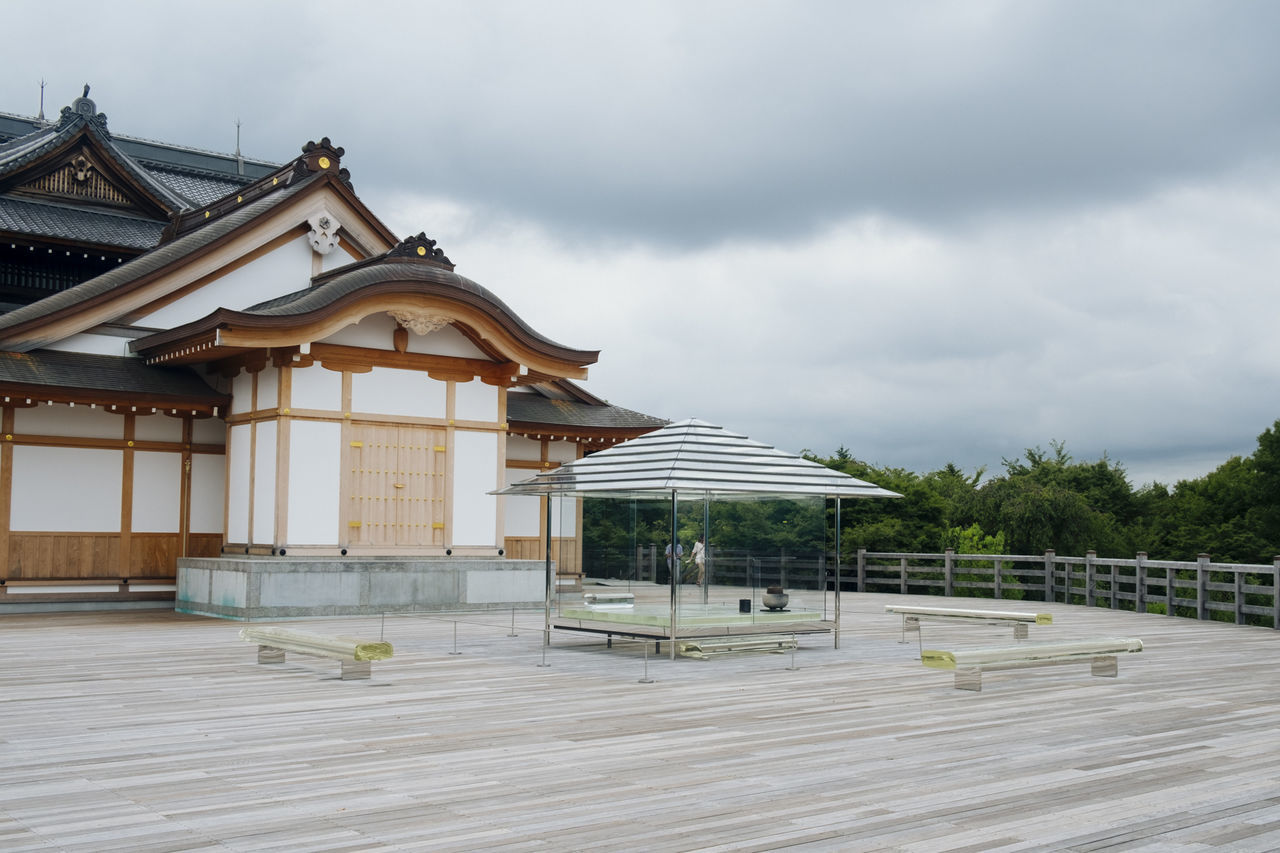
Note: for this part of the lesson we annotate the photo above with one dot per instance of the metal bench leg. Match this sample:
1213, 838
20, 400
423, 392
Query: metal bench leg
1107, 666
266, 654
352, 669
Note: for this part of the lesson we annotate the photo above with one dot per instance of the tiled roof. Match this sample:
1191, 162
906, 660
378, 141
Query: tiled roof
200, 189
152, 261
529, 407
81, 225
81, 371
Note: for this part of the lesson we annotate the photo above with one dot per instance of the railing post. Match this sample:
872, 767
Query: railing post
948, 566
1202, 586
902, 575
1239, 596
1089, 577
1275, 593
1048, 574
1171, 597
1140, 581
862, 570
996, 565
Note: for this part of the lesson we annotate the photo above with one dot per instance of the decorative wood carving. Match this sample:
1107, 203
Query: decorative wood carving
420, 322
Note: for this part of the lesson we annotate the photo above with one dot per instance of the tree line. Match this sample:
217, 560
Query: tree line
1048, 500
1042, 500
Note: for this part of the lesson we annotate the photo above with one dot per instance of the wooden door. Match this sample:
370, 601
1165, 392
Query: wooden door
397, 486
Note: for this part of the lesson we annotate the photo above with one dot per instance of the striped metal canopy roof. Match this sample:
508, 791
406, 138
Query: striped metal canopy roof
699, 457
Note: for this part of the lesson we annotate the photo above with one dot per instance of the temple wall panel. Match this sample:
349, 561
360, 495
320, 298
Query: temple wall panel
475, 473
208, 484
475, 401
560, 452
242, 392
268, 387
276, 273
445, 341
209, 431
373, 332
94, 344
522, 516
157, 492
66, 489
158, 427
238, 480
315, 477
391, 391
264, 484
77, 421
315, 388
524, 449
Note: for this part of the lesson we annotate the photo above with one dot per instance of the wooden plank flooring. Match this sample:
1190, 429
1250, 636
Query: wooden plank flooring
150, 731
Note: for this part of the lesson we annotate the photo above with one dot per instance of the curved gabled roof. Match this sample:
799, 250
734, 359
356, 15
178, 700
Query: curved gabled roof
698, 457
399, 280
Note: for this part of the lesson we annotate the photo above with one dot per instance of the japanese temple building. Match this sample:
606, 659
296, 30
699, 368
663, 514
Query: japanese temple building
235, 367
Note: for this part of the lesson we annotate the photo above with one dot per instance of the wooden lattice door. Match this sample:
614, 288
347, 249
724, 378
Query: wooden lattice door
397, 486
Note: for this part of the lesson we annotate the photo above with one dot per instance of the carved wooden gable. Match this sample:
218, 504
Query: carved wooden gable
78, 177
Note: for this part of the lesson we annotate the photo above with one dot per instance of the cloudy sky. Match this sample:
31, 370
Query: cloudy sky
928, 232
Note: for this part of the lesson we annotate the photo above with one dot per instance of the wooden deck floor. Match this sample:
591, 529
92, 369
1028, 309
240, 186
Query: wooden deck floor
151, 731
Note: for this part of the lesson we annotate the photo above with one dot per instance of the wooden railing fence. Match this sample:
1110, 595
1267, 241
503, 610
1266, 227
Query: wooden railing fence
1247, 594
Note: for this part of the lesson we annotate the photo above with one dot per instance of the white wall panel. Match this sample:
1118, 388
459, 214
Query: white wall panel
242, 392
264, 485
521, 516
525, 449
373, 332
475, 401
560, 452
268, 387
564, 516
95, 344
208, 489
390, 391
59, 419
446, 341
475, 472
238, 484
315, 475
315, 387
209, 431
157, 492
284, 270
66, 489
157, 427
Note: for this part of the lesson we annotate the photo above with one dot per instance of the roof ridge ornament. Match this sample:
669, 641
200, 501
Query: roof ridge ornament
422, 247
83, 108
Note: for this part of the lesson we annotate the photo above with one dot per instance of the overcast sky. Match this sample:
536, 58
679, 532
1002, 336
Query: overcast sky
928, 232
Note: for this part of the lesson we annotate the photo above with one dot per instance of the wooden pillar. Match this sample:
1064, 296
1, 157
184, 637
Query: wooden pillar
6, 489
126, 498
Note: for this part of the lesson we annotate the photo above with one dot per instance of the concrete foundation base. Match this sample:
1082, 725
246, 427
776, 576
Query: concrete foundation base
267, 588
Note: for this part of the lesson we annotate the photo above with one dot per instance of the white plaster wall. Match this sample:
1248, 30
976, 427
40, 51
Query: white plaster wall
209, 431
59, 419
284, 270
560, 452
315, 475
157, 427
373, 332
564, 516
242, 392
525, 449
475, 472
208, 489
95, 344
390, 391
264, 485
521, 516
446, 341
157, 492
238, 484
268, 387
475, 401
337, 258
66, 489
315, 387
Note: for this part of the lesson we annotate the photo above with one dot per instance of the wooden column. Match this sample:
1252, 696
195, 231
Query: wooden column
126, 496
6, 487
